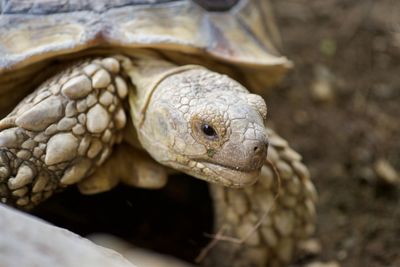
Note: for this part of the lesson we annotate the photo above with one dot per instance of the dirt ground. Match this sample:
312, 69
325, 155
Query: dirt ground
339, 108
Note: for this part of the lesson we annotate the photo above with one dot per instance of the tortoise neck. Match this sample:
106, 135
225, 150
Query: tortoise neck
146, 74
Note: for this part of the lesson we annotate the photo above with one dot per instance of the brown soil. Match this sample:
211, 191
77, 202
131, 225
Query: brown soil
340, 108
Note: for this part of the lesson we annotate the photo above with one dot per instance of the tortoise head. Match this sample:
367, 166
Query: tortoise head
206, 125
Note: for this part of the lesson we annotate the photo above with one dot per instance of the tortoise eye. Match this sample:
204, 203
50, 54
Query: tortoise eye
209, 130
216, 5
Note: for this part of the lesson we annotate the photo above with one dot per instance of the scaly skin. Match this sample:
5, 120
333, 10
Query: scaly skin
183, 101
187, 118
277, 213
61, 132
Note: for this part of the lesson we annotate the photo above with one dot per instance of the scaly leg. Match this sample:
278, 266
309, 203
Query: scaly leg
61, 132
260, 225
129, 166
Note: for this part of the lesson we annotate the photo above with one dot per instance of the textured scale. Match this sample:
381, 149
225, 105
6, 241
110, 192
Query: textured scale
53, 6
285, 211
61, 132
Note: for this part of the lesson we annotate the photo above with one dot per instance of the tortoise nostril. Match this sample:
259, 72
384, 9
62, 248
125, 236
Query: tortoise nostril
258, 150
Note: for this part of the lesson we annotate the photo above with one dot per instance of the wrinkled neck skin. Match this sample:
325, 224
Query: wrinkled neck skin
198, 122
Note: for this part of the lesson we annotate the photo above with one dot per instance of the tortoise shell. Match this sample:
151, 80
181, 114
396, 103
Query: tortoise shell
230, 36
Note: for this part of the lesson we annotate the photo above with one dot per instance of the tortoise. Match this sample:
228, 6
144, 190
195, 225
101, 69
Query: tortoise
100, 92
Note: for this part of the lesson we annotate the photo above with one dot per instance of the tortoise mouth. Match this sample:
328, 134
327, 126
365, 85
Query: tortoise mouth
228, 176
231, 176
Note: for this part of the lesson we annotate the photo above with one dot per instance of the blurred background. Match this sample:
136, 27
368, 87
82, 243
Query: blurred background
339, 107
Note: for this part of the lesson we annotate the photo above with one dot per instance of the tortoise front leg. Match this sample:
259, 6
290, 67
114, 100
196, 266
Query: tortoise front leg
260, 225
61, 132
128, 165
